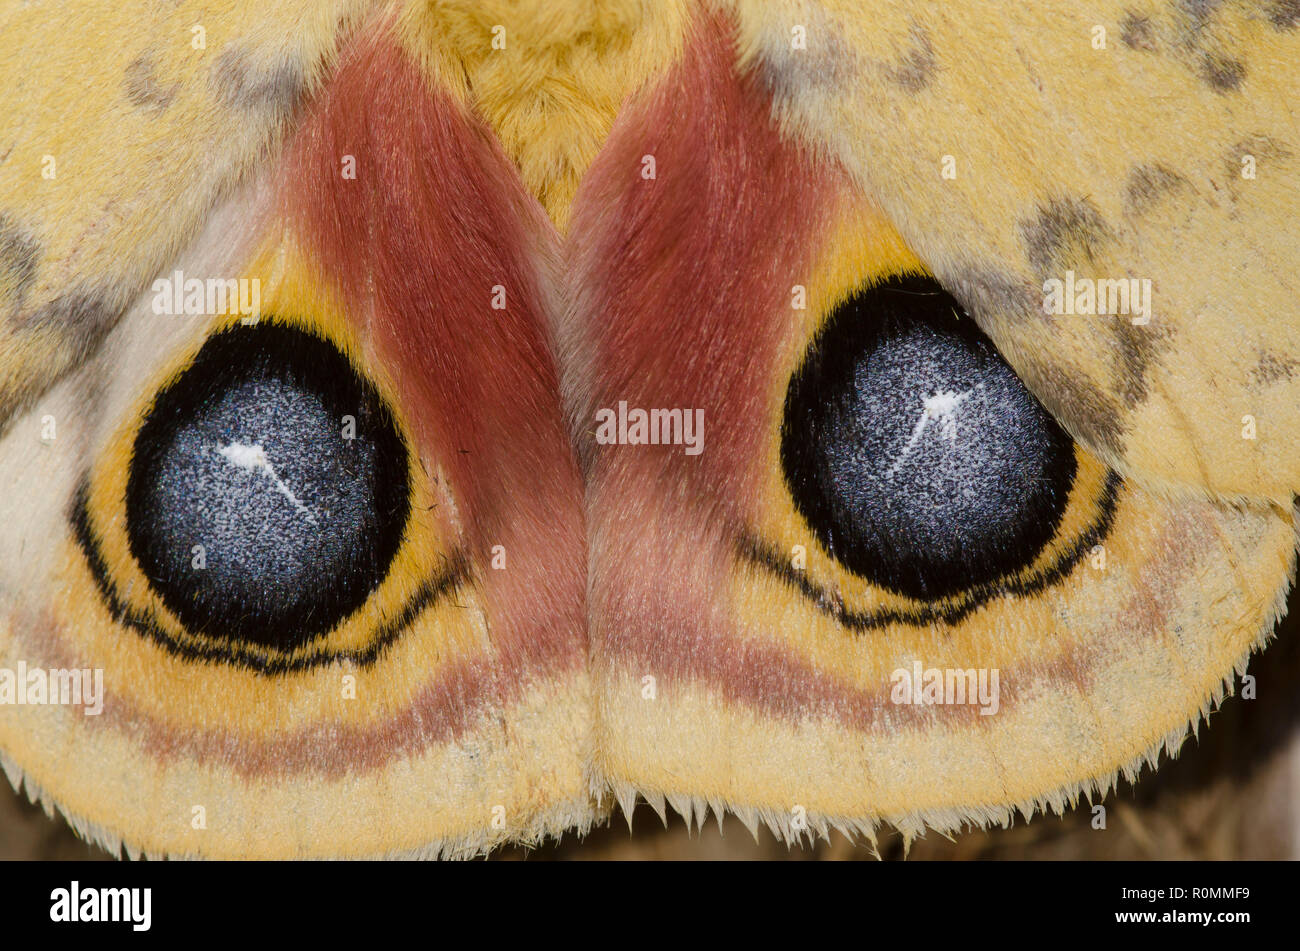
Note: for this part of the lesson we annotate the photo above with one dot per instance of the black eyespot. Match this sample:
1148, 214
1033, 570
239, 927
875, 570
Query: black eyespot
247, 454
915, 454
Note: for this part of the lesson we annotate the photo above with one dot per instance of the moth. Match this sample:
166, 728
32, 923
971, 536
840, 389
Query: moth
431, 424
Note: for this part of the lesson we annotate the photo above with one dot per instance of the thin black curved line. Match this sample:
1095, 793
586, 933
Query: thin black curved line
453, 577
752, 549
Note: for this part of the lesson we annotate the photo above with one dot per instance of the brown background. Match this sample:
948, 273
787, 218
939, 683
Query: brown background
1233, 792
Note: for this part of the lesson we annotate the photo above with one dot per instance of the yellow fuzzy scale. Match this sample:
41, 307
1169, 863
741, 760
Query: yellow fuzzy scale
997, 147
514, 775
1108, 667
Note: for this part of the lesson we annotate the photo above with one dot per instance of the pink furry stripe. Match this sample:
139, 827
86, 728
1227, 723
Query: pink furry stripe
435, 224
683, 301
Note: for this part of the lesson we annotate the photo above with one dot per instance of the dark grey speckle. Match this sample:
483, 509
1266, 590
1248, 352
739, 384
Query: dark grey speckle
916, 68
239, 83
1147, 185
1136, 32
142, 86
19, 254
1063, 233
1222, 73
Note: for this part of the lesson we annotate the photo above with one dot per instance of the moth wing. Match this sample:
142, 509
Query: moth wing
1148, 150
738, 664
121, 128
446, 714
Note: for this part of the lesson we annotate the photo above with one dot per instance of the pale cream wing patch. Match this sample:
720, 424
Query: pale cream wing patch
1154, 144
100, 190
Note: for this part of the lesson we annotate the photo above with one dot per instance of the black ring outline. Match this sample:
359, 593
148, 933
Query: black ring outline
752, 549
454, 576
